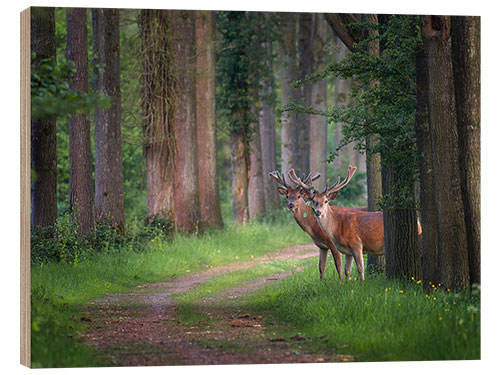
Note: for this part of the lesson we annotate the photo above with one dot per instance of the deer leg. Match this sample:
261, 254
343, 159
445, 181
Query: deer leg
323, 254
348, 265
337, 257
358, 257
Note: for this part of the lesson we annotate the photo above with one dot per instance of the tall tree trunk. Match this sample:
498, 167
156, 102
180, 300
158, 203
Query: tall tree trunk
107, 122
373, 166
256, 203
43, 130
186, 190
288, 73
157, 108
428, 211
403, 257
268, 137
305, 53
318, 126
210, 210
452, 240
239, 164
81, 192
466, 52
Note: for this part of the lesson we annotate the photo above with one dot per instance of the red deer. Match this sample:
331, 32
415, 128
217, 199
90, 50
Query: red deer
303, 215
352, 232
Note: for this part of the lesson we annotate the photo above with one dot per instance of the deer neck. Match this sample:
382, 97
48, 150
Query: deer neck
328, 223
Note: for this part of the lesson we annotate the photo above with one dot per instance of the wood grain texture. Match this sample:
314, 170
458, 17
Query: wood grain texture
25, 323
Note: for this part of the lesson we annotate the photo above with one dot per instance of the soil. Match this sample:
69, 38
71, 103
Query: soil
141, 328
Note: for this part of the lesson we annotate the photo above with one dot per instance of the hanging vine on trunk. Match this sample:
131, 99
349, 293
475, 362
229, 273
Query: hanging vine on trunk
158, 94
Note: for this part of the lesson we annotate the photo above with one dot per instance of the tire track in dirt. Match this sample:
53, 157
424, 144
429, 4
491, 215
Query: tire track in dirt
140, 328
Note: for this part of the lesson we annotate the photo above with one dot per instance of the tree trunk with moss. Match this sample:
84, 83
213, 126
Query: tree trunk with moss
158, 101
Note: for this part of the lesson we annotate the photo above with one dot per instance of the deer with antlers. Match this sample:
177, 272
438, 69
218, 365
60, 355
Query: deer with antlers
304, 216
352, 232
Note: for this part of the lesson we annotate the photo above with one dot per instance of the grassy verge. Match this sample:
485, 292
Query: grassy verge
376, 320
59, 290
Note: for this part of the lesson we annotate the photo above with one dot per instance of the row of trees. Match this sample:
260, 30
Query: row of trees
415, 89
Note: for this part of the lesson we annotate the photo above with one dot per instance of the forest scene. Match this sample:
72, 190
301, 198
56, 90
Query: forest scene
243, 187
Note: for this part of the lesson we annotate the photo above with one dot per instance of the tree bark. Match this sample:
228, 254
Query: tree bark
107, 122
239, 164
256, 203
210, 210
373, 161
466, 52
186, 190
305, 63
428, 209
268, 138
157, 108
452, 241
43, 130
403, 257
288, 73
318, 127
81, 192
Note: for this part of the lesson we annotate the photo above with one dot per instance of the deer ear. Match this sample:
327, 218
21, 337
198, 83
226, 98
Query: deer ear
282, 191
305, 194
332, 196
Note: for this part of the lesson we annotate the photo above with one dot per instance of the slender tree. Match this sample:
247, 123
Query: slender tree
81, 192
288, 73
267, 131
107, 122
306, 38
466, 53
186, 190
318, 125
43, 130
210, 210
256, 200
157, 107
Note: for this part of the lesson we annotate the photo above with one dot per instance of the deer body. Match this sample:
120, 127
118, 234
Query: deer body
352, 232
304, 216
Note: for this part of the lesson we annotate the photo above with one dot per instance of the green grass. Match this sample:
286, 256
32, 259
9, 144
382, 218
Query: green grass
60, 290
377, 320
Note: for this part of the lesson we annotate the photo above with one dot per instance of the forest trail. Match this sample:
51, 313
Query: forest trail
140, 327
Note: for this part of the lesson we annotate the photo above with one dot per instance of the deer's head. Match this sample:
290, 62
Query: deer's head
293, 194
320, 200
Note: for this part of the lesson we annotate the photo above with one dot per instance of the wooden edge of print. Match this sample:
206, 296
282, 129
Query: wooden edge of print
25, 300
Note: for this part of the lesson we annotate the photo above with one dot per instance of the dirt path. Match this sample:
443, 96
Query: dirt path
140, 327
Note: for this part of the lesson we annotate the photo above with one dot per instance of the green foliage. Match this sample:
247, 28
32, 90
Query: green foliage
64, 244
241, 65
383, 102
61, 289
51, 94
376, 320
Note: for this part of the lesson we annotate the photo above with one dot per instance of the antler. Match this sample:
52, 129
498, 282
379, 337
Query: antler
300, 182
278, 177
339, 185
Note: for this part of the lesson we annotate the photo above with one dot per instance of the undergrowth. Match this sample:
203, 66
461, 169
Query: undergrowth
376, 320
65, 276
